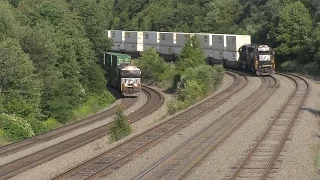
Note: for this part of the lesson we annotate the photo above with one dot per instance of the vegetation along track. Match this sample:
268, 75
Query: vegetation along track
113, 159
176, 164
261, 161
155, 100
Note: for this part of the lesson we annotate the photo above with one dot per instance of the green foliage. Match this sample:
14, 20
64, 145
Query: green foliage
93, 104
120, 127
194, 84
50, 124
95, 79
154, 68
191, 91
20, 88
9, 27
15, 128
222, 16
175, 106
93, 17
289, 66
294, 30
199, 81
191, 55
36, 125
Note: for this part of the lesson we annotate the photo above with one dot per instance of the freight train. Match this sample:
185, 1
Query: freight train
233, 51
258, 59
121, 74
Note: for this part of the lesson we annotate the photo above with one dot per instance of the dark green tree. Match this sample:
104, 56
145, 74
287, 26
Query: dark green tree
20, 88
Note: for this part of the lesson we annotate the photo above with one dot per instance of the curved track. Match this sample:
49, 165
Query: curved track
261, 161
176, 164
155, 100
19, 146
113, 159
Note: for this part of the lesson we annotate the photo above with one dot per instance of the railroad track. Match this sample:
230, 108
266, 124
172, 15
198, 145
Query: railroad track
261, 161
155, 100
176, 164
111, 160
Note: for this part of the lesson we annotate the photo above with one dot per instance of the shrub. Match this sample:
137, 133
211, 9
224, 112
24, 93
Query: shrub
15, 128
93, 104
37, 125
289, 66
191, 91
51, 123
191, 55
175, 106
120, 127
194, 84
154, 68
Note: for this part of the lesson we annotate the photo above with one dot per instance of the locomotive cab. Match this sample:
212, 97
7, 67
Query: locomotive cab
264, 60
130, 80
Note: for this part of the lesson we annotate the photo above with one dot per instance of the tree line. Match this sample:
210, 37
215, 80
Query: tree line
48, 55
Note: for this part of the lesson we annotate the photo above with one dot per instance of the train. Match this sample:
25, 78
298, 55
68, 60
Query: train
229, 50
255, 58
121, 74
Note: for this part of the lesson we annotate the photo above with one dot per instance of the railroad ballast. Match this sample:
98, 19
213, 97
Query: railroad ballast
231, 50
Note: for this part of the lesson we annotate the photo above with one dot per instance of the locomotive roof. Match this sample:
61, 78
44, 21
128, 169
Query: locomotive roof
126, 66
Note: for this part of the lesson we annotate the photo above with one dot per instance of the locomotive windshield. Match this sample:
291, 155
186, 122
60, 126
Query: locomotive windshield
130, 73
264, 53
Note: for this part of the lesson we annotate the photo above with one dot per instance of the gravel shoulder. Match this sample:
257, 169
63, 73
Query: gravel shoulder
303, 144
298, 154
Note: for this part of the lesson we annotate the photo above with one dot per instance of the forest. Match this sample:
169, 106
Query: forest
49, 48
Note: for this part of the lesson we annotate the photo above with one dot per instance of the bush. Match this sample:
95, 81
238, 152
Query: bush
51, 123
15, 128
289, 66
191, 91
37, 126
120, 127
194, 84
154, 68
191, 55
175, 106
93, 104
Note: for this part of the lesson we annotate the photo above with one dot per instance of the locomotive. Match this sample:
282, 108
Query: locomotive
121, 74
258, 59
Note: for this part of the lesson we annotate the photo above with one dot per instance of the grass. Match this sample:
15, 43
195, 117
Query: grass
317, 159
3, 140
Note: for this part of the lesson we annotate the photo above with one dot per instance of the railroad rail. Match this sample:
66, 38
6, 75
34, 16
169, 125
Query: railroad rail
111, 160
262, 158
155, 100
176, 164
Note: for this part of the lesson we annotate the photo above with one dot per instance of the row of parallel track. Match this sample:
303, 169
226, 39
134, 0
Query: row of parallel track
111, 160
21, 164
262, 161
178, 163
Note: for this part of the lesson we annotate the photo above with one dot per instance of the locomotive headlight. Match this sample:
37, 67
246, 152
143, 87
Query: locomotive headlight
135, 85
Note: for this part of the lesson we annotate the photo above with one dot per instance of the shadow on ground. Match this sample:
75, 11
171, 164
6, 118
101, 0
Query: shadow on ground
115, 92
314, 112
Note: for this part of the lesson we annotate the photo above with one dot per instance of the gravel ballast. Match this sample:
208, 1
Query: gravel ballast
147, 159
